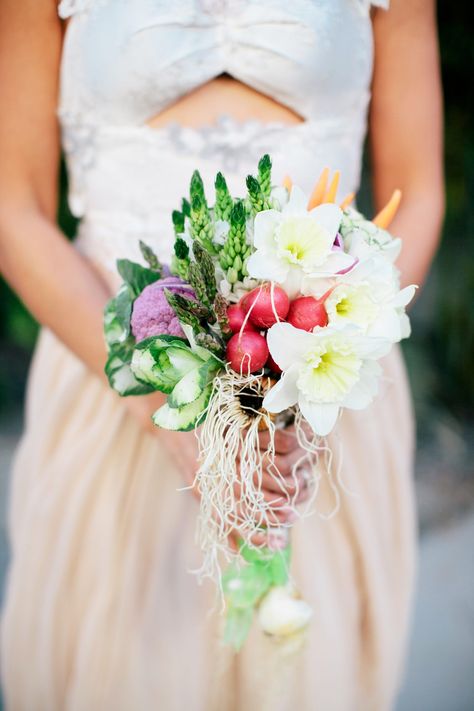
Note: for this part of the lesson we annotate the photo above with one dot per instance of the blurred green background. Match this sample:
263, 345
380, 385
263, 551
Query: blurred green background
441, 350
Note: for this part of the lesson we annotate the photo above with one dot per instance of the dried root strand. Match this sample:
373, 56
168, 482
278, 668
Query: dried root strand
229, 479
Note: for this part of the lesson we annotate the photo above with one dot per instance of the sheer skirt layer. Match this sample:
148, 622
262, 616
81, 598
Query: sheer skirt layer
101, 611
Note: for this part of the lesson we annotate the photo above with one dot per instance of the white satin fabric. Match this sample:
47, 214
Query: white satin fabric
101, 613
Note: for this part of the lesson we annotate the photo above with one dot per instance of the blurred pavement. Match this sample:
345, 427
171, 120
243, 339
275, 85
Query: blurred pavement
440, 670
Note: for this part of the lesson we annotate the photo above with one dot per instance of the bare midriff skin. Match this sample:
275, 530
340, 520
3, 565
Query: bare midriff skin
64, 291
223, 95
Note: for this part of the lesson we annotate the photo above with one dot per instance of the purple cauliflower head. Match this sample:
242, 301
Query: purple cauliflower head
152, 315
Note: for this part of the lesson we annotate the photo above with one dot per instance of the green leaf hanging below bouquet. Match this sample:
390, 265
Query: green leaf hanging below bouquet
237, 626
246, 583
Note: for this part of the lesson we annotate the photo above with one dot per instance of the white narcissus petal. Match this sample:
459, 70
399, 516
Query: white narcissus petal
366, 388
267, 266
293, 281
284, 394
386, 326
365, 269
297, 203
404, 296
328, 216
321, 416
288, 344
264, 228
335, 262
405, 326
316, 286
373, 348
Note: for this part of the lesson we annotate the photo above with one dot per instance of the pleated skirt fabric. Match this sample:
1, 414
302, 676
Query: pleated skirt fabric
102, 612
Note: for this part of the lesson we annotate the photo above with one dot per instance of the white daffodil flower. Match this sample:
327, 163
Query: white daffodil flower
323, 371
362, 238
282, 613
296, 242
369, 297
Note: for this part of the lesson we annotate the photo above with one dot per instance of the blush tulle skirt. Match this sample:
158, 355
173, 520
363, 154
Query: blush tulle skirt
101, 610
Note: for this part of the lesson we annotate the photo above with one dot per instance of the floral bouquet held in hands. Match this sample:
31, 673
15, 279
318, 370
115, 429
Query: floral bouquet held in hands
273, 313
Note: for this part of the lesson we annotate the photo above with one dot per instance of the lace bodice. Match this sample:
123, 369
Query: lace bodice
123, 62
127, 61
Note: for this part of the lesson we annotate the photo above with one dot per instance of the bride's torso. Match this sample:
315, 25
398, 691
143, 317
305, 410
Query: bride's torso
141, 104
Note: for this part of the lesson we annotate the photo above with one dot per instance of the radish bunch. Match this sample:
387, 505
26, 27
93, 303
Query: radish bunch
257, 311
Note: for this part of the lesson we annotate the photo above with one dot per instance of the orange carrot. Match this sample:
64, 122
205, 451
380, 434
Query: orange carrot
386, 214
287, 183
347, 201
332, 190
319, 190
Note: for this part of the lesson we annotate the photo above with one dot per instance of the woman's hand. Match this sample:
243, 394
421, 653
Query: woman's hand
283, 480
284, 483
142, 408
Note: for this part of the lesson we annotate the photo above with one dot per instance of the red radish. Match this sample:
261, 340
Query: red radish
306, 312
236, 316
267, 305
274, 367
247, 352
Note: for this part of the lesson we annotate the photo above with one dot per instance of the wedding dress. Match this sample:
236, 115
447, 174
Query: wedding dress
101, 611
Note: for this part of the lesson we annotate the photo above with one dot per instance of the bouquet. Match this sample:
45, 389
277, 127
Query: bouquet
273, 313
